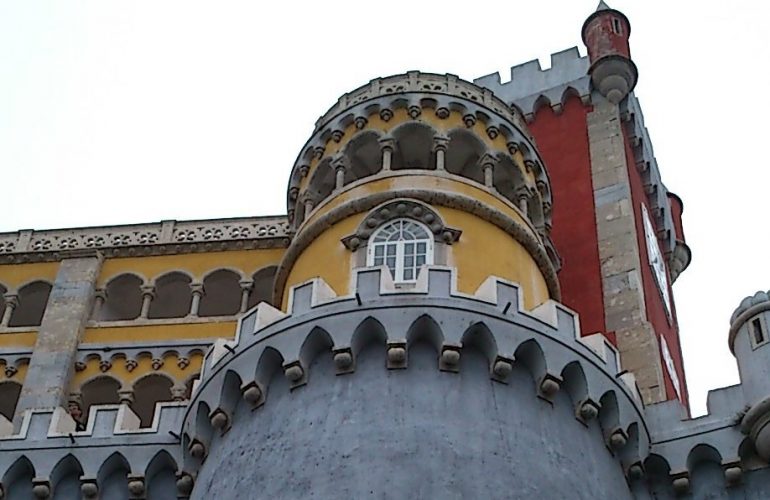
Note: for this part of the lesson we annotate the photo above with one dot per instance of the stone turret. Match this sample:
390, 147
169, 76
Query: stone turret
750, 343
612, 71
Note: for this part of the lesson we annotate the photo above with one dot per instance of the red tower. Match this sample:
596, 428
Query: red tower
605, 34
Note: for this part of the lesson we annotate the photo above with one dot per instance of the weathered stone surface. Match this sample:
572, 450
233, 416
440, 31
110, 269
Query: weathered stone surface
53, 359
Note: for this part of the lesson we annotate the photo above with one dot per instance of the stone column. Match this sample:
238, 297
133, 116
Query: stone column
308, 202
387, 145
11, 303
69, 305
197, 293
488, 163
246, 286
126, 396
340, 165
522, 198
440, 145
99, 297
148, 293
624, 304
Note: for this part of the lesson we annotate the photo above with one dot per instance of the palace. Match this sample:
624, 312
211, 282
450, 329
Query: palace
469, 296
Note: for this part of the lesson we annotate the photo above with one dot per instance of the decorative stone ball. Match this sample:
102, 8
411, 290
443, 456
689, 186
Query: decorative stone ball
450, 357
417, 211
502, 368
89, 490
371, 222
617, 440
635, 471
429, 217
733, 475
136, 487
396, 354
252, 395
549, 387
41, 491
447, 236
197, 450
401, 208
354, 242
435, 227
343, 360
294, 373
681, 485
385, 212
219, 420
588, 411
184, 484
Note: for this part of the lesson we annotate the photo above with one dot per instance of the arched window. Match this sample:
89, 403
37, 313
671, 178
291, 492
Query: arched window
403, 245
32, 301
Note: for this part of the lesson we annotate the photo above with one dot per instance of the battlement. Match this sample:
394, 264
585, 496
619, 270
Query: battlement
530, 84
545, 341
49, 444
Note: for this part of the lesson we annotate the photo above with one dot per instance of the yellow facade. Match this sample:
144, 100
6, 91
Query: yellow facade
197, 265
14, 276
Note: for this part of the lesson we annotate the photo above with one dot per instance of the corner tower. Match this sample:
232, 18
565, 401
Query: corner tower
605, 34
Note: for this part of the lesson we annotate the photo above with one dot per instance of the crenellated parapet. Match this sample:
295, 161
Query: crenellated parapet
49, 457
276, 351
531, 87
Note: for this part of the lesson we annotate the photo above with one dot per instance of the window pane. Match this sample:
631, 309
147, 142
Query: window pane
378, 260
420, 260
408, 274
421, 247
379, 250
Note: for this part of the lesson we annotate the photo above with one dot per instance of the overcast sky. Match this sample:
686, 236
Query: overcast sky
115, 112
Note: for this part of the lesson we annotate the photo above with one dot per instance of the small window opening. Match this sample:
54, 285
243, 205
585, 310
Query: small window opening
759, 334
616, 26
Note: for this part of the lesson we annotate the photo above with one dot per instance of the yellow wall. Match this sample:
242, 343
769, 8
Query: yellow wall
403, 180
197, 264
483, 250
18, 339
325, 257
13, 276
156, 333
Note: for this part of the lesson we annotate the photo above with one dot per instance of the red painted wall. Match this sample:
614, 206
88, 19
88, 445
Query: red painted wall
656, 310
563, 143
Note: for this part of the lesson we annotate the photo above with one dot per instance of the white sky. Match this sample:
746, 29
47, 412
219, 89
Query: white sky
117, 112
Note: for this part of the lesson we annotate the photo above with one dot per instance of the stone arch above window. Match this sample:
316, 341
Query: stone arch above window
32, 298
262, 288
173, 296
364, 156
402, 209
123, 298
148, 391
414, 147
101, 390
222, 294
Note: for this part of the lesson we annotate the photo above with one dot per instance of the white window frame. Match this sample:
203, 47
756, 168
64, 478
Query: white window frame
398, 273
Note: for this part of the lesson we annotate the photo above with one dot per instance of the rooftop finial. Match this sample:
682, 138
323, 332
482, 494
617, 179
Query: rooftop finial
602, 6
